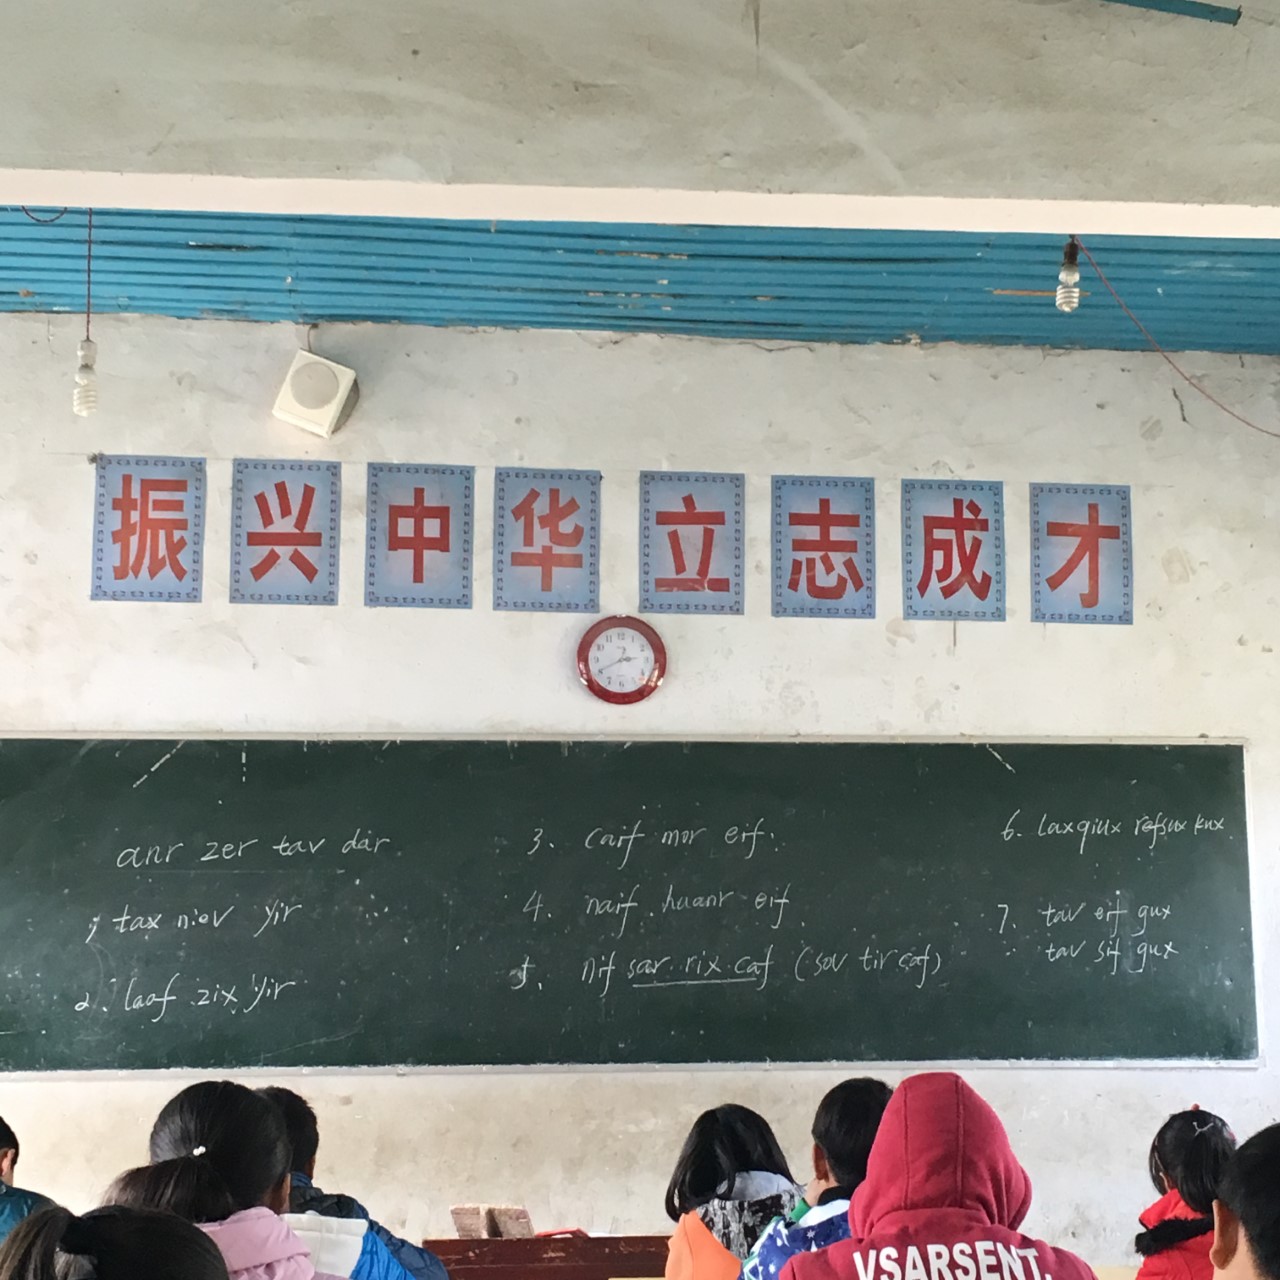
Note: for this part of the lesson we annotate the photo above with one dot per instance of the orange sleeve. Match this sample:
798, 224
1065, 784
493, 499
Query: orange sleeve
695, 1254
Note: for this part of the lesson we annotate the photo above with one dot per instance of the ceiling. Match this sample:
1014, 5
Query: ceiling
738, 282
1030, 99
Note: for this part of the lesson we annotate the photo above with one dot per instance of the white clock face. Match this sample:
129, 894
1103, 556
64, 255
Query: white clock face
621, 660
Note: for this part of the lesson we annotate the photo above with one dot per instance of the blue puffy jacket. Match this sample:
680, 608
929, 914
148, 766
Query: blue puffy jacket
419, 1264
16, 1205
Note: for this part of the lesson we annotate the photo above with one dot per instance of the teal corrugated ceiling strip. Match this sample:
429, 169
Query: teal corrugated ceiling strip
1188, 9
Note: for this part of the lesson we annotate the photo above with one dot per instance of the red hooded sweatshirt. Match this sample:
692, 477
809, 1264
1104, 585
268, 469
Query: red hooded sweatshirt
942, 1200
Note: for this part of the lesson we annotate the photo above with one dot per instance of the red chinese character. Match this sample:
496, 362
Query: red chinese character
945, 540
297, 538
551, 522
150, 527
1089, 544
417, 540
690, 517
819, 552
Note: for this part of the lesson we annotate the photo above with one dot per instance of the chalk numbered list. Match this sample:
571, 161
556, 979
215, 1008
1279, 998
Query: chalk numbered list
643, 932
238, 895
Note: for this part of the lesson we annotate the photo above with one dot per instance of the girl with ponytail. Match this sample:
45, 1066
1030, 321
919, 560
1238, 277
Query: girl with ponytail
220, 1158
1188, 1158
108, 1244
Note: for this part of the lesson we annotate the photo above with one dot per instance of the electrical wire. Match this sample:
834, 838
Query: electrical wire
57, 217
1169, 360
88, 278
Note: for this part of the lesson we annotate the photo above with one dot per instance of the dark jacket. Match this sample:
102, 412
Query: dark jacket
944, 1196
16, 1205
306, 1197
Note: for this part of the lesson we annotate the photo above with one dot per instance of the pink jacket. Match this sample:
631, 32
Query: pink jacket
257, 1244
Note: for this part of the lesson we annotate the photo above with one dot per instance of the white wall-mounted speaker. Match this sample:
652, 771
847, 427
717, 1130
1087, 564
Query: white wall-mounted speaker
318, 395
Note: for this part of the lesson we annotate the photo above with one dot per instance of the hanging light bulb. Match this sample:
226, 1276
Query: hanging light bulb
85, 398
1068, 295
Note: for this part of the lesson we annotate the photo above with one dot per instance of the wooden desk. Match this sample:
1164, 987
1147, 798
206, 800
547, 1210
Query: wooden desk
570, 1257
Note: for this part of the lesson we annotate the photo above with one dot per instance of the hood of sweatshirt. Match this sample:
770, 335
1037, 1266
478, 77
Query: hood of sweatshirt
940, 1151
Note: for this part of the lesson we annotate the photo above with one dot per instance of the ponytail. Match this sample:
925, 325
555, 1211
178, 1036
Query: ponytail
1189, 1155
219, 1139
108, 1244
189, 1187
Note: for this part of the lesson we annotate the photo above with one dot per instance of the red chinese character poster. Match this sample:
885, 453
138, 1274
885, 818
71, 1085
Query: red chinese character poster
691, 535
1081, 554
148, 529
953, 550
824, 547
284, 532
546, 540
418, 537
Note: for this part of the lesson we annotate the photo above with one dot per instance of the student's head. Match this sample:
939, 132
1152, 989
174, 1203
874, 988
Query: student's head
300, 1124
722, 1144
8, 1152
940, 1146
844, 1129
1246, 1214
216, 1148
1189, 1155
108, 1244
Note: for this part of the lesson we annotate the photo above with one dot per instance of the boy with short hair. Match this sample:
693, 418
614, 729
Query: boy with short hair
306, 1198
1246, 1215
14, 1204
843, 1130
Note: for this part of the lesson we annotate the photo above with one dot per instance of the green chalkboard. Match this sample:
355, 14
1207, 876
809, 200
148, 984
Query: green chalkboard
227, 904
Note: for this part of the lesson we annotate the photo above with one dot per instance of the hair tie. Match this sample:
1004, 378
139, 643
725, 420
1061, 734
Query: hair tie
77, 1237
198, 1151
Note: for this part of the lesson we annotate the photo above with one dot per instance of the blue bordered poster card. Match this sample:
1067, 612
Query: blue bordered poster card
148, 529
1081, 554
285, 519
953, 562
546, 540
691, 542
824, 547
418, 539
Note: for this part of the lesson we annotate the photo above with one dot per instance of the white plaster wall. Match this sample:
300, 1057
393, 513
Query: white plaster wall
1076, 99
594, 1149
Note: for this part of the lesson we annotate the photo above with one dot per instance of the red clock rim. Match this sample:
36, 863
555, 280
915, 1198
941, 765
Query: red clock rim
598, 628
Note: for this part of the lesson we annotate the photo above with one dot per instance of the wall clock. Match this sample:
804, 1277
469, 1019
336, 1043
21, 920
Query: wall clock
621, 659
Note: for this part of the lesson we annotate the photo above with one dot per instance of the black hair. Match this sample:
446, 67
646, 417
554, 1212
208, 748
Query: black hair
8, 1140
216, 1148
300, 1123
108, 1244
1188, 1155
845, 1127
1251, 1190
190, 1188
722, 1144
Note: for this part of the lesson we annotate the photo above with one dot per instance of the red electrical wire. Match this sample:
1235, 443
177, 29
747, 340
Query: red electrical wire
1146, 333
